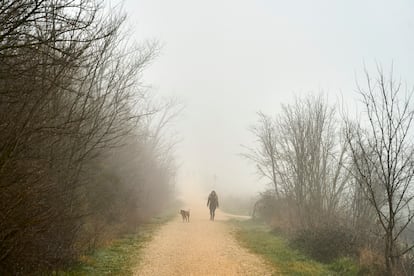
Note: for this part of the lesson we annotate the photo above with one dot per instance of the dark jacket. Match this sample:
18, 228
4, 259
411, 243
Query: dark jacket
212, 201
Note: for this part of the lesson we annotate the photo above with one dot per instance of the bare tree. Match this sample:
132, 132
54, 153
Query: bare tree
264, 156
302, 154
311, 157
69, 92
382, 150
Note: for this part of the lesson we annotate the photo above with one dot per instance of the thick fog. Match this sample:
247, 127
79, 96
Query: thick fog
226, 60
117, 116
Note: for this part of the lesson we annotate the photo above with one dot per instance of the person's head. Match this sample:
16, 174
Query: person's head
213, 192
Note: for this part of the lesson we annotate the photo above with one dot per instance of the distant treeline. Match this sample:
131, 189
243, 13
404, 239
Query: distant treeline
343, 186
82, 153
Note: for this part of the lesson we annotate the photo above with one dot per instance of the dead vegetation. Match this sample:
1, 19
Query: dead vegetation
78, 164
343, 186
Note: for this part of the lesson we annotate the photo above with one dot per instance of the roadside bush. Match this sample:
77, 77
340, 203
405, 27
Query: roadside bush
275, 211
370, 262
266, 208
326, 243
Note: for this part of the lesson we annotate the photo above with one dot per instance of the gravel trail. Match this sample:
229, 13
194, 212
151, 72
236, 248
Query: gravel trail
200, 247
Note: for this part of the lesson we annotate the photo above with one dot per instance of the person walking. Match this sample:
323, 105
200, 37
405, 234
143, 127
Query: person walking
212, 203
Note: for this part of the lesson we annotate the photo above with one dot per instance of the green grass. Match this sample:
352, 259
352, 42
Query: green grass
346, 266
287, 261
121, 256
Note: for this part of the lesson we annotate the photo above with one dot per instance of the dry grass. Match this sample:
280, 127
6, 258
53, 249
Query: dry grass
371, 262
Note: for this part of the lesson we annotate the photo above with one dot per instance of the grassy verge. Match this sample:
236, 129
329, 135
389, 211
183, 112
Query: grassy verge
121, 256
287, 261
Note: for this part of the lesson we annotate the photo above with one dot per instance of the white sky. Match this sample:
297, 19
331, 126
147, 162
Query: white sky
228, 59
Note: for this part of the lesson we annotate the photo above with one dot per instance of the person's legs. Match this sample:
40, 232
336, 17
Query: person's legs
211, 214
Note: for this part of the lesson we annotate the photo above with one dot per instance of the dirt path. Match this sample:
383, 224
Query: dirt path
200, 247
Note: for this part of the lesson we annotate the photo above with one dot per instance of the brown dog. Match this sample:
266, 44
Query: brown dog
186, 215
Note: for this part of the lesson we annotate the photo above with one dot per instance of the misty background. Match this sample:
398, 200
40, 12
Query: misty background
227, 60
114, 115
